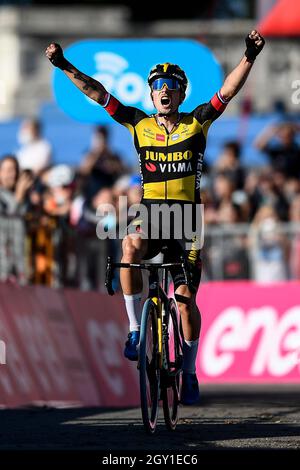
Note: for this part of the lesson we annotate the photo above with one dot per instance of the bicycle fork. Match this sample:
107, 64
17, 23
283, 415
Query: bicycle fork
160, 345
161, 325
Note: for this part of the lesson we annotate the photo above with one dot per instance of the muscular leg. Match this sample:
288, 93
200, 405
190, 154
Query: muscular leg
190, 314
191, 323
134, 248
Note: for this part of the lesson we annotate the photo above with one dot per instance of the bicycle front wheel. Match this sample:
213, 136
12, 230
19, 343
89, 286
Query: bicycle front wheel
148, 366
172, 384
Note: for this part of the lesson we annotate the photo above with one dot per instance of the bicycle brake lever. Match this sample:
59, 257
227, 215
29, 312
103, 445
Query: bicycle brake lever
186, 272
108, 277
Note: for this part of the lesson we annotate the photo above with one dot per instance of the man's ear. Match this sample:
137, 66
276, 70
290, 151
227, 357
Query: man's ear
151, 94
182, 97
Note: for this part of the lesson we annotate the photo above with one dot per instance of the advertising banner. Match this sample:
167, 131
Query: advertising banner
123, 66
250, 333
65, 347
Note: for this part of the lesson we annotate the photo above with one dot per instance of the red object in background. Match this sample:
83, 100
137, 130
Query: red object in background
282, 20
64, 348
53, 307
16, 385
40, 356
101, 322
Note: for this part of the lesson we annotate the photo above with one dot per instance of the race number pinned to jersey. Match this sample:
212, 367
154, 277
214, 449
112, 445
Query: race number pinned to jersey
122, 66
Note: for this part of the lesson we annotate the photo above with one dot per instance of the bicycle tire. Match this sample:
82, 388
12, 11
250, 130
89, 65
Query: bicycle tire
170, 392
148, 366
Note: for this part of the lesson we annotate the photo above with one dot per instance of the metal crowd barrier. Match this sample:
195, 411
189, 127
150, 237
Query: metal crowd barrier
43, 250
269, 252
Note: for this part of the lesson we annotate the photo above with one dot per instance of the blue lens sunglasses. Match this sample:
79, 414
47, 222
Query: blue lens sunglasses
170, 83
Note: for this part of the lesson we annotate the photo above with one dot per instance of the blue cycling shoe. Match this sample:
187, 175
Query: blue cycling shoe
130, 350
190, 389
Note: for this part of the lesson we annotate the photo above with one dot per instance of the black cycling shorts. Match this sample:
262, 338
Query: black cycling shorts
176, 248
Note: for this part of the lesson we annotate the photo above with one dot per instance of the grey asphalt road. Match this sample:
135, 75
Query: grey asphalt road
248, 418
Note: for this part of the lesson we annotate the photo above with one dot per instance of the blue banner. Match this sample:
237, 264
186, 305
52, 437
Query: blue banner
122, 66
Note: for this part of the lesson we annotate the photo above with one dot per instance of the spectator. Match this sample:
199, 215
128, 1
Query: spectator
13, 193
35, 152
54, 227
235, 263
291, 189
229, 213
252, 191
134, 193
223, 188
60, 209
14, 186
121, 186
263, 191
228, 163
100, 166
279, 143
294, 217
58, 197
268, 247
91, 252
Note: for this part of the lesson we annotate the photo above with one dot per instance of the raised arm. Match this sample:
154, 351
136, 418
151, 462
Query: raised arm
236, 79
265, 136
88, 85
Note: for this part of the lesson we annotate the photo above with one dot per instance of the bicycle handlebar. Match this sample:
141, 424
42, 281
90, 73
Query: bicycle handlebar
110, 267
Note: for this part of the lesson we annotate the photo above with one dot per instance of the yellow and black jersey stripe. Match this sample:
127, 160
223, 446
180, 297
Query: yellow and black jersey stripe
170, 163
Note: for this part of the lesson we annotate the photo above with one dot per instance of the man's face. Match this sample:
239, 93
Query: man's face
8, 174
166, 101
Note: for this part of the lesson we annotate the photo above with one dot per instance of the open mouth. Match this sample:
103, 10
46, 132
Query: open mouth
165, 101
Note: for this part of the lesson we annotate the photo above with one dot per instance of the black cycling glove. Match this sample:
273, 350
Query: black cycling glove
58, 59
252, 50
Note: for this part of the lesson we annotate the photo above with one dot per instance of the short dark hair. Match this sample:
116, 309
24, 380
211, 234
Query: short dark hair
36, 124
102, 130
234, 146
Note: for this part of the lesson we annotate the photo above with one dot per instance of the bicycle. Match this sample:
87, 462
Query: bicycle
160, 353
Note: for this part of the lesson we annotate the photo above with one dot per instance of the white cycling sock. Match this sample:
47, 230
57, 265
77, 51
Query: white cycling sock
190, 349
134, 310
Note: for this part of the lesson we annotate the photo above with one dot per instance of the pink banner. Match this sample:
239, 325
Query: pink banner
66, 347
250, 333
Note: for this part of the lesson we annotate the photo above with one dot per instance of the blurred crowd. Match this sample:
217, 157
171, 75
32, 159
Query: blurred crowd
48, 216
262, 203
48, 212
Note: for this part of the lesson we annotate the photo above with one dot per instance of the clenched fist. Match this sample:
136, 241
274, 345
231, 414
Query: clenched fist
254, 43
55, 54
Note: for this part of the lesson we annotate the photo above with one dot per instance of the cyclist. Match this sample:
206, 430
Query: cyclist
169, 136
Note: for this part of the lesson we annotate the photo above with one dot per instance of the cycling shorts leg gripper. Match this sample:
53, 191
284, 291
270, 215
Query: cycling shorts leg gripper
183, 299
194, 275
